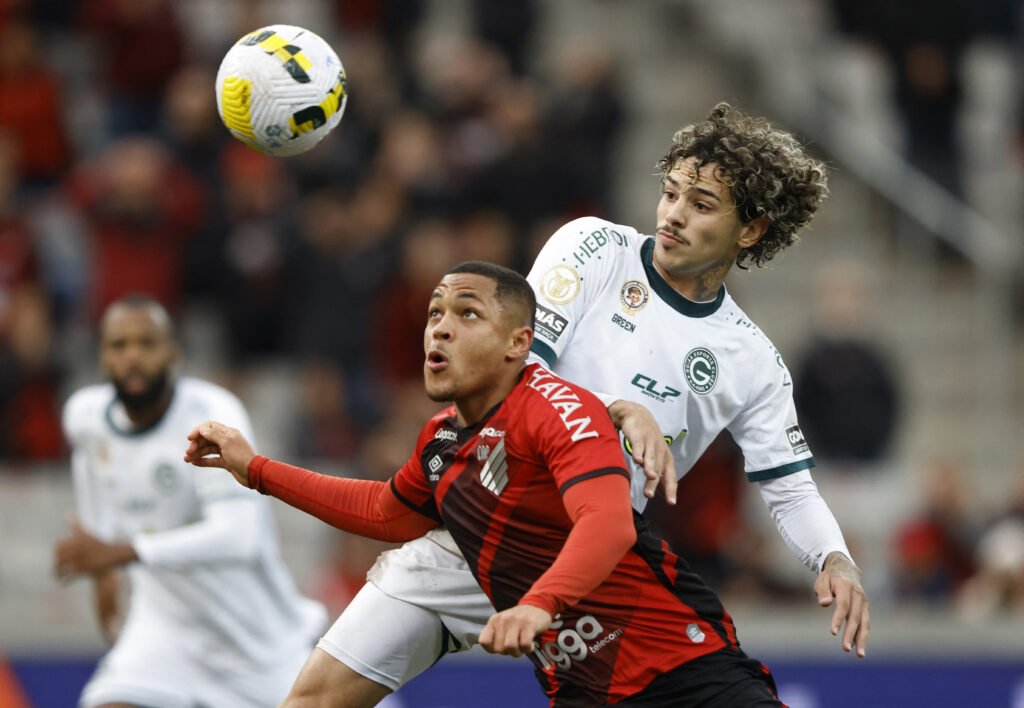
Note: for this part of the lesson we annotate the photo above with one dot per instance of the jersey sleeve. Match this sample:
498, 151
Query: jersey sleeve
571, 432
570, 428
410, 485
361, 506
92, 511
567, 277
767, 429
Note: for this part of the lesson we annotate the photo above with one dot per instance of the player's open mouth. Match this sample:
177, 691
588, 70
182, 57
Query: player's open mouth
436, 361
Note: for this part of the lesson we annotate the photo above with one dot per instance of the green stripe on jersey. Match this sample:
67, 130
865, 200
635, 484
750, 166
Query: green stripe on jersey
781, 471
544, 352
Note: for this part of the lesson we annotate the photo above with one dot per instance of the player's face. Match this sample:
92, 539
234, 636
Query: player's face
698, 229
137, 353
466, 338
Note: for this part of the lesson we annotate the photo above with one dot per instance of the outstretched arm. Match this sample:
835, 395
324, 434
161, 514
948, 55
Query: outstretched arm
359, 506
811, 531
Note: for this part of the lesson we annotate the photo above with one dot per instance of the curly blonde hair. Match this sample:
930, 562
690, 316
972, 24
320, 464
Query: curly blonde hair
766, 169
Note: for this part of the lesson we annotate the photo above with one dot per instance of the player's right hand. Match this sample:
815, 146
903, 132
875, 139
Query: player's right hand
513, 631
647, 446
217, 445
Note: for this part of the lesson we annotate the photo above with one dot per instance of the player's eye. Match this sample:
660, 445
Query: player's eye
433, 313
470, 314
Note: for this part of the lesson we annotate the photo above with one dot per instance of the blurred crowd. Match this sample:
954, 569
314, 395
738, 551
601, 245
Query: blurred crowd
116, 176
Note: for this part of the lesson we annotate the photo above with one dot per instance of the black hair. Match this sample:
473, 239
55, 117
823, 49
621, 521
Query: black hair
512, 290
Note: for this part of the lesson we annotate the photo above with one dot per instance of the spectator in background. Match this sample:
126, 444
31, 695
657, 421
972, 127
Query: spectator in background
139, 208
31, 106
342, 258
587, 110
257, 285
393, 21
933, 550
29, 376
427, 251
490, 235
521, 173
141, 45
195, 136
30, 380
509, 26
998, 585
924, 43
846, 393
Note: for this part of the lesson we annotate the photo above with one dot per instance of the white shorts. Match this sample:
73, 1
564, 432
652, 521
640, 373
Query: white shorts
151, 666
421, 602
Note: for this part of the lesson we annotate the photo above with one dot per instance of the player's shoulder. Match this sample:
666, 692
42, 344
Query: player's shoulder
741, 326
191, 388
440, 420
197, 400
593, 234
552, 403
85, 405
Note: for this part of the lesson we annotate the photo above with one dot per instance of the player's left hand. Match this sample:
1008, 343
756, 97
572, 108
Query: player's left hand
81, 553
839, 583
514, 630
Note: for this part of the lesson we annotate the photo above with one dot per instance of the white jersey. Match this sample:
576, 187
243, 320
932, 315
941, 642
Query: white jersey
698, 367
210, 577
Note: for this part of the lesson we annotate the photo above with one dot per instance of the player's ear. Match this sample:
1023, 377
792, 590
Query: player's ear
522, 340
752, 231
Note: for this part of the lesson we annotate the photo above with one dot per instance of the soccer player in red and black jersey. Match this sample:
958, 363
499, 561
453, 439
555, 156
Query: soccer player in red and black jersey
526, 472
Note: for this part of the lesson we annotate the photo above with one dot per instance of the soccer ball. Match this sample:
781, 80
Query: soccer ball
281, 90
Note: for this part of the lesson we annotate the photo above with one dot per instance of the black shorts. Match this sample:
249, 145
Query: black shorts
725, 679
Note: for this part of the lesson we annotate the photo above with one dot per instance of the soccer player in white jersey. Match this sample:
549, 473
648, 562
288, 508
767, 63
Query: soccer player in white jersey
213, 617
645, 321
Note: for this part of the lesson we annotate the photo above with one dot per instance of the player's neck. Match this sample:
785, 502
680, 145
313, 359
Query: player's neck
701, 286
472, 409
147, 416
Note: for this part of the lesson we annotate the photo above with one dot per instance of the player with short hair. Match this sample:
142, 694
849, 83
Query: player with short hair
214, 617
526, 472
648, 324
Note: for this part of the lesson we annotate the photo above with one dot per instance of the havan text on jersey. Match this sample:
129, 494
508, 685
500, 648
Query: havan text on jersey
564, 400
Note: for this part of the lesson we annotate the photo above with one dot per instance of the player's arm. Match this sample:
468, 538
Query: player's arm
602, 532
84, 549
365, 507
107, 600
813, 534
778, 459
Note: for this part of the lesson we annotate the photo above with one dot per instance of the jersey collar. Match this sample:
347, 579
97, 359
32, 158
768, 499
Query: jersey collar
108, 414
667, 293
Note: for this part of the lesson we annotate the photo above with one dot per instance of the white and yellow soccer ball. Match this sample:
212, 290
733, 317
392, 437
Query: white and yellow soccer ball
281, 89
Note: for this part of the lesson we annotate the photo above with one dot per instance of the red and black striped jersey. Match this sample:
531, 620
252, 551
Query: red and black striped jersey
497, 487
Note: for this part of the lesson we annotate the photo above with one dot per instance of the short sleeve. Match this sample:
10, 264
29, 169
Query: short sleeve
570, 428
767, 430
567, 276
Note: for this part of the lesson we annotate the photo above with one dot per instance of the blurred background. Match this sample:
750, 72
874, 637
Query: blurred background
473, 129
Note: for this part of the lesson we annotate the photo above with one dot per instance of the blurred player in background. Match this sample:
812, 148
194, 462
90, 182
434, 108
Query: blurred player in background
214, 617
648, 324
526, 472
